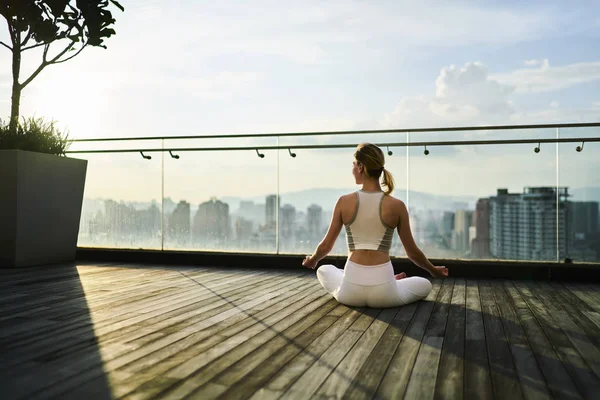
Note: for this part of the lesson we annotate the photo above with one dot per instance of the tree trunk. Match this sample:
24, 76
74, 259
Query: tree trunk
16, 86
15, 104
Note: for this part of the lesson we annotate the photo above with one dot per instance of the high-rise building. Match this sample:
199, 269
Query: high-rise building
583, 219
447, 223
480, 245
243, 230
523, 226
252, 212
178, 227
211, 222
286, 222
463, 220
584, 230
271, 211
314, 219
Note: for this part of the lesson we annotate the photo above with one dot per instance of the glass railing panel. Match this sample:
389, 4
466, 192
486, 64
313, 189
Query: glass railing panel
121, 206
578, 175
484, 201
220, 200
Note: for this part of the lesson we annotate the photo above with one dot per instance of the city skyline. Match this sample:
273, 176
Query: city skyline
506, 225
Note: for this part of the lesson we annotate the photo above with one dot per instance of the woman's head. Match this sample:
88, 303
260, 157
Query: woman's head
369, 163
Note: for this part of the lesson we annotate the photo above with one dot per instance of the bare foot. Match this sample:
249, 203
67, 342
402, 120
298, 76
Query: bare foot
401, 275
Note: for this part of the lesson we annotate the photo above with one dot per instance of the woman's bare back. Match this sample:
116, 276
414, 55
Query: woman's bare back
390, 214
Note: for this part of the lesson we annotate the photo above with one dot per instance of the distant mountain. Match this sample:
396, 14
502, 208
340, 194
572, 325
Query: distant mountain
326, 198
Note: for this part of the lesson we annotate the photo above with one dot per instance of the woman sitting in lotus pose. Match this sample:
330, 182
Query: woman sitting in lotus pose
370, 217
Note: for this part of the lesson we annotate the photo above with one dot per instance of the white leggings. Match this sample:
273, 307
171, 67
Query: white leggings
371, 286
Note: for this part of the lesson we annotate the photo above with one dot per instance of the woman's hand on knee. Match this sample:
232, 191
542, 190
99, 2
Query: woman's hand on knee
439, 272
309, 262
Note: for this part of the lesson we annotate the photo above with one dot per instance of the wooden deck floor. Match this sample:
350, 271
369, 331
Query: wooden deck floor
133, 331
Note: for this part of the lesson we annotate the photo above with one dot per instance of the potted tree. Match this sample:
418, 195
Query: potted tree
41, 191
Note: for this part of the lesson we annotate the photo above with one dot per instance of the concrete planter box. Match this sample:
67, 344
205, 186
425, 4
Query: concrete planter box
40, 207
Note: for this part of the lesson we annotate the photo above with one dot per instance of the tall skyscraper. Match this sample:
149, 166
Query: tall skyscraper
447, 223
211, 222
523, 226
286, 222
252, 212
584, 230
271, 211
583, 219
463, 220
178, 227
243, 230
480, 245
314, 219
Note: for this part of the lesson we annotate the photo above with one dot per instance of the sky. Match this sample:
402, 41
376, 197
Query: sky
184, 67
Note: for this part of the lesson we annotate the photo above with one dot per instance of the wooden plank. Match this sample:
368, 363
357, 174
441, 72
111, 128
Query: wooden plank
558, 379
156, 364
478, 381
237, 364
287, 375
113, 318
593, 316
121, 356
92, 313
346, 373
103, 331
376, 364
312, 378
226, 328
532, 380
576, 309
258, 376
395, 381
422, 382
85, 313
81, 379
586, 341
505, 381
199, 370
567, 337
450, 375
588, 296
19, 325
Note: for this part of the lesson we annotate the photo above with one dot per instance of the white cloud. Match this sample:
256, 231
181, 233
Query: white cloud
464, 95
469, 95
548, 78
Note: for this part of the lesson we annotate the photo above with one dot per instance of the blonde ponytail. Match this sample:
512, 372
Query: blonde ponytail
388, 182
373, 159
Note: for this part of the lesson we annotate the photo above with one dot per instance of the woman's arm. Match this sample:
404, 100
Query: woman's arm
412, 250
328, 241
